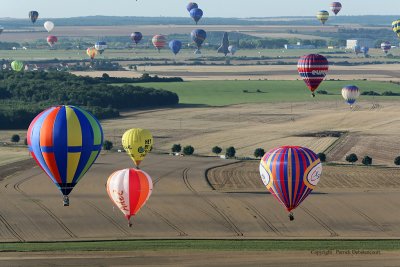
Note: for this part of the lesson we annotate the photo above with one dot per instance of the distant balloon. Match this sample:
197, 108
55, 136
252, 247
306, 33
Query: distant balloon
232, 49
100, 46
52, 40
196, 14
129, 189
136, 37
336, 7
137, 143
1, 30
224, 47
33, 15
91, 52
159, 41
386, 46
357, 49
290, 173
323, 16
49, 26
198, 37
365, 50
17, 65
313, 69
191, 5
396, 27
65, 141
175, 46
350, 94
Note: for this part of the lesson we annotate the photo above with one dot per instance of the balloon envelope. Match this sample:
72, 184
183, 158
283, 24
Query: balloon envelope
91, 52
323, 16
17, 65
196, 14
159, 41
49, 26
101, 46
396, 27
191, 5
198, 37
65, 141
350, 94
175, 46
290, 173
232, 49
33, 15
386, 46
136, 37
313, 69
336, 7
52, 40
137, 143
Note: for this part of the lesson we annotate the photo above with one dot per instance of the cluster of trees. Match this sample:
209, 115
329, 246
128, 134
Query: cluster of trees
24, 95
102, 65
187, 150
269, 43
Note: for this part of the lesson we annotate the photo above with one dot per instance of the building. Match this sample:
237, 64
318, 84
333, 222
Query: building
350, 44
299, 46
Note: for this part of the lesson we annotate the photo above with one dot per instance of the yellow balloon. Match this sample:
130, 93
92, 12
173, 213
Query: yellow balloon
137, 143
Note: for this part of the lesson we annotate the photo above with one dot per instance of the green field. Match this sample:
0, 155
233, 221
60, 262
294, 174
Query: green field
220, 93
214, 245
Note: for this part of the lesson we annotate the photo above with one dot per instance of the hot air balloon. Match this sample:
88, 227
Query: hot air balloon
49, 26
129, 189
33, 15
224, 47
100, 46
137, 143
290, 173
323, 16
357, 49
65, 141
386, 46
336, 7
159, 41
313, 69
1, 30
396, 27
365, 50
52, 40
196, 14
17, 65
350, 94
175, 46
136, 37
198, 37
232, 49
91, 52
191, 5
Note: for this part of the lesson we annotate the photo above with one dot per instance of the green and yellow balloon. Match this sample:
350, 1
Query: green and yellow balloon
323, 16
17, 65
396, 27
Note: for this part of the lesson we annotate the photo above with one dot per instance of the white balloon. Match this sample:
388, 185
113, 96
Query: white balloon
49, 26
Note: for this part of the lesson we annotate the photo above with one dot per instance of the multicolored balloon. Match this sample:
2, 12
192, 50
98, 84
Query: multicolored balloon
49, 26
136, 37
290, 173
52, 40
386, 46
336, 7
137, 143
159, 41
191, 5
65, 141
17, 65
198, 37
323, 16
100, 46
91, 52
350, 94
313, 69
196, 14
33, 15
175, 46
129, 189
396, 27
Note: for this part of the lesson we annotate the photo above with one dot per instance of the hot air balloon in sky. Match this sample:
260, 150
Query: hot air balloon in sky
129, 189
17, 65
232, 49
137, 143
136, 37
175, 46
350, 94
49, 26
159, 41
191, 5
336, 7
224, 47
396, 27
52, 40
65, 141
196, 14
91, 52
313, 69
33, 15
323, 16
386, 46
290, 173
100, 46
198, 37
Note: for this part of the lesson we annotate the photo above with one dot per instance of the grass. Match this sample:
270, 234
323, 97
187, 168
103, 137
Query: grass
221, 93
214, 245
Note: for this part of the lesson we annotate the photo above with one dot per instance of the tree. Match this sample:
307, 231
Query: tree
15, 138
107, 145
367, 160
216, 150
105, 76
322, 157
176, 148
230, 152
397, 161
259, 152
352, 158
188, 150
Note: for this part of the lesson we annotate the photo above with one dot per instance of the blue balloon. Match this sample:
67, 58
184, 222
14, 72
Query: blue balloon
196, 14
175, 46
191, 5
198, 36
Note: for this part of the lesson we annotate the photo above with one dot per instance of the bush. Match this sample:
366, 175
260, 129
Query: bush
259, 152
216, 150
15, 138
176, 148
230, 152
322, 157
107, 145
367, 160
352, 158
188, 150
397, 161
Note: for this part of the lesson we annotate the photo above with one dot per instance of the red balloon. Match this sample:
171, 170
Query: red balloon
313, 69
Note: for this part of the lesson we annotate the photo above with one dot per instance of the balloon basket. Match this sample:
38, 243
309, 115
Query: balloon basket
291, 216
66, 201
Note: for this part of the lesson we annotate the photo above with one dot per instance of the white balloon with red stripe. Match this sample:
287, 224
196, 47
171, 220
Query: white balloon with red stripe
129, 189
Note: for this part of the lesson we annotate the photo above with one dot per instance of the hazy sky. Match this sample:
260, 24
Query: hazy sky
211, 8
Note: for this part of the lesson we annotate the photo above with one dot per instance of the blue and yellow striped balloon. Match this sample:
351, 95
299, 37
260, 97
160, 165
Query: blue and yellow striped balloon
65, 141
